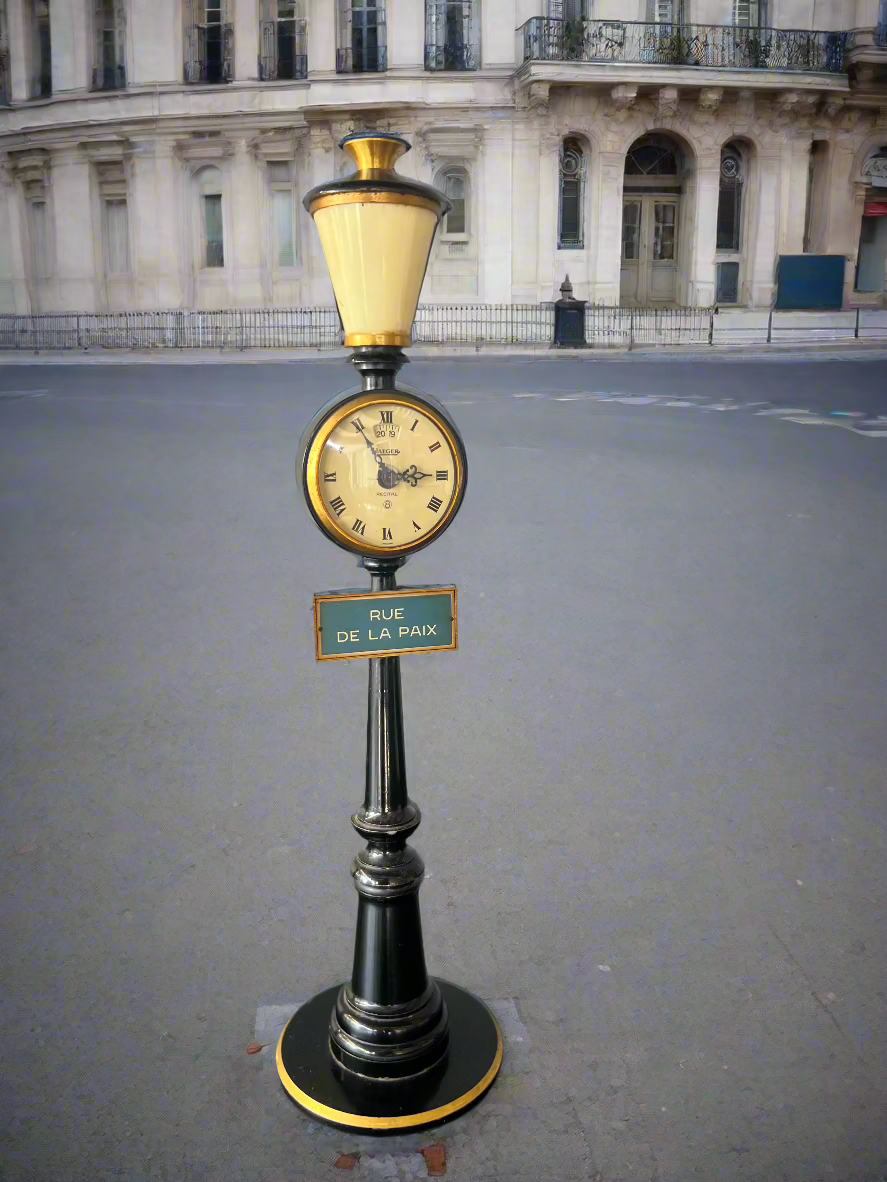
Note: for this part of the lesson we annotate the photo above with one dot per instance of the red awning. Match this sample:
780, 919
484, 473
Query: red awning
875, 209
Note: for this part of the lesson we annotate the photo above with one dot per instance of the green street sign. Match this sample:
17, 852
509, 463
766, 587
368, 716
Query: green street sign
350, 624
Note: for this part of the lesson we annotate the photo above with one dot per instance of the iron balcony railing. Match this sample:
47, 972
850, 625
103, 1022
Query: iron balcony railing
110, 77
284, 50
450, 57
362, 60
210, 53
725, 46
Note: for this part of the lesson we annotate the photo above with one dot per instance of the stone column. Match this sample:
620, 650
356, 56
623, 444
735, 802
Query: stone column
525, 225
73, 232
321, 36
497, 34
846, 199
494, 192
546, 278
406, 35
608, 226
247, 221
21, 66
763, 266
321, 167
246, 40
159, 243
793, 206
14, 296
71, 52
701, 271
152, 58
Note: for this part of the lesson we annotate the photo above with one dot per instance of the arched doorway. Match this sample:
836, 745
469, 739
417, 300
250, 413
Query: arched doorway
651, 208
871, 258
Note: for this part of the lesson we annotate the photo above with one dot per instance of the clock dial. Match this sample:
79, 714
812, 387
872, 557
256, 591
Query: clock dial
384, 474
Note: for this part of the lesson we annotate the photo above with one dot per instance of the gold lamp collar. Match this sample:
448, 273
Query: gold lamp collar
374, 154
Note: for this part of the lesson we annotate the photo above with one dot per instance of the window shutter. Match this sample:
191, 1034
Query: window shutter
282, 207
116, 237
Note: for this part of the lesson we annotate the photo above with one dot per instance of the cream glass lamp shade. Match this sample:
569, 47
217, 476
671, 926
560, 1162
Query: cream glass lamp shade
376, 229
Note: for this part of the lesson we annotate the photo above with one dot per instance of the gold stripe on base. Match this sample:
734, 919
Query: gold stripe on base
354, 1121
353, 339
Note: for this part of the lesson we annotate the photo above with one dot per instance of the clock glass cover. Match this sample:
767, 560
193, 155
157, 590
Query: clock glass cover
384, 472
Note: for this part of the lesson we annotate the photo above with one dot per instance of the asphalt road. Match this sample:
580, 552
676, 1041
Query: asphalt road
652, 779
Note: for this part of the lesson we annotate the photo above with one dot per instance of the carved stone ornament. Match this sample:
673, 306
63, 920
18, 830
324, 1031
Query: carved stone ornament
457, 142
710, 97
280, 144
204, 146
874, 171
623, 96
667, 98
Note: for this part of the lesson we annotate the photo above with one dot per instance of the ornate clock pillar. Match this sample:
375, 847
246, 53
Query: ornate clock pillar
392, 1048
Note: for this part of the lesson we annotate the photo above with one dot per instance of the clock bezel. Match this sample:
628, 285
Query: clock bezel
329, 417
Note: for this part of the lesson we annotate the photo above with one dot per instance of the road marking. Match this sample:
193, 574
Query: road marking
784, 410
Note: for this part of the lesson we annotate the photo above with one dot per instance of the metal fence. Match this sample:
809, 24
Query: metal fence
436, 324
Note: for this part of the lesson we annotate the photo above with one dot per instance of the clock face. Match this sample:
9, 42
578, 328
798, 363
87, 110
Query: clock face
384, 473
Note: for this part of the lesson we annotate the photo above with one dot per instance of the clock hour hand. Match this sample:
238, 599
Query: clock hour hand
412, 475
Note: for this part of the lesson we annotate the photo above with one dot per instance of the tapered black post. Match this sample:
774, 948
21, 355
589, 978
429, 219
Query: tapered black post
390, 1021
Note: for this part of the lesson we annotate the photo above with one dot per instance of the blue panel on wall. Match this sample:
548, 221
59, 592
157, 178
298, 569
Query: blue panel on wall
810, 281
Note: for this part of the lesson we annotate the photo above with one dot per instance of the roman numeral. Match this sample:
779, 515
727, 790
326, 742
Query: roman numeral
415, 425
329, 478
417, 528
359, 527
434, 504
339, 505
434, 447
386, 535
386, 416
444, 475
357, 425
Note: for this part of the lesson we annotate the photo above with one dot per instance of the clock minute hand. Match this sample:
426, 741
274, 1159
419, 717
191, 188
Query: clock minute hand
376, 455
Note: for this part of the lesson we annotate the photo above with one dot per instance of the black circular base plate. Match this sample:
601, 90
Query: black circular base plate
309, 1074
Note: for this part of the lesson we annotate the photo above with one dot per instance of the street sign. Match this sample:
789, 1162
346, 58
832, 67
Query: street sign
351, 624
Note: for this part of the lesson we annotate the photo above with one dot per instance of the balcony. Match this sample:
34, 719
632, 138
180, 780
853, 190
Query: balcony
109, 77
284, 50
736, 47
867, 48
362, 60
209, 53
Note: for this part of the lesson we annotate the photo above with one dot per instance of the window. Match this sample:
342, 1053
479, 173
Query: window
572, 186
569, 10
109, 72
115, 217
362, 44
39, 226
751, 13
4, 57
284, 49
209, 41
209, 187
651, 156
116, 237
665, 12
454, 183
450, 35
729, 230
727, 283
41, 85
283, 223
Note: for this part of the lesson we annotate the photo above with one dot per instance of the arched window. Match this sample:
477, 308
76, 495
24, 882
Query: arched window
652, 156
208, 183
729, 233
572, 192
454, 183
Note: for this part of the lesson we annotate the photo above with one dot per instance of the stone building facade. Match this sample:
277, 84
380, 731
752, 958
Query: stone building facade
153, 153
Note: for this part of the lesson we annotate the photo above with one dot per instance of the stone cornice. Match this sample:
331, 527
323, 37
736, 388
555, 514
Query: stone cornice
451, 142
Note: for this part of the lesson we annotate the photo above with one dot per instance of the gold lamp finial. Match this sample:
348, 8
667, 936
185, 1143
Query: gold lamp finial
374, 153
